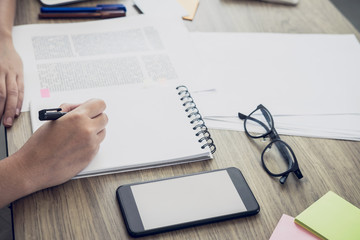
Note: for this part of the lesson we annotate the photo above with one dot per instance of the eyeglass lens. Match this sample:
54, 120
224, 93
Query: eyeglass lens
259, 123
277, 158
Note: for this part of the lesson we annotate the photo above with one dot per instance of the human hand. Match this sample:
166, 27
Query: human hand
11, 82
60, 149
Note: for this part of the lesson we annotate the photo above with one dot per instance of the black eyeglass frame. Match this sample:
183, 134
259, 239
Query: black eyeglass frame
275, 139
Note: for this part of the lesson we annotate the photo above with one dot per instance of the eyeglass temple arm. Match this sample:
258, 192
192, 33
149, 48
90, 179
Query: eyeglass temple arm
267, 116
242, 116
298, 174
283, 178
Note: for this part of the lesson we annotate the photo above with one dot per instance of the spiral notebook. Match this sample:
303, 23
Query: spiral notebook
149, 126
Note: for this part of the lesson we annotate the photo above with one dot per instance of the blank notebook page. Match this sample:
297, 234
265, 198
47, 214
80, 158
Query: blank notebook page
148, 126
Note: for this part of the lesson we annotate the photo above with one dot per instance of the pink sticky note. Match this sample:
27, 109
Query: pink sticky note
288, 229
45, 93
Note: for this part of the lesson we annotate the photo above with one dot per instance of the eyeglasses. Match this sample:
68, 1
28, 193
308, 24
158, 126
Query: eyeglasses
278, 159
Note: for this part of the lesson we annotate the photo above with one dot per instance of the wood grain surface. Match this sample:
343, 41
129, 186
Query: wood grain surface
87, 208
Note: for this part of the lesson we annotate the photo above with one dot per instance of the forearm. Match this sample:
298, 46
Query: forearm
46, 161
7, 16
13, 183
11, 67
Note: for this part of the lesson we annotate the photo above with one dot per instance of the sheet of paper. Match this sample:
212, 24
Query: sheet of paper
308, 82
71, 56
288, 73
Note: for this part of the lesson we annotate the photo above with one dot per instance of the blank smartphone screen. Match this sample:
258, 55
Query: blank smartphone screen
186, 199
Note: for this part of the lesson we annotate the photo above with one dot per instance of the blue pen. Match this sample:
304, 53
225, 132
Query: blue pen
117, 7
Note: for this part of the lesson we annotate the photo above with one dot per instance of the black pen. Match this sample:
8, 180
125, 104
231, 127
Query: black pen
50, 114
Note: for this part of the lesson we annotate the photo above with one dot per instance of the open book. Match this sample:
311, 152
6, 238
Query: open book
149, 126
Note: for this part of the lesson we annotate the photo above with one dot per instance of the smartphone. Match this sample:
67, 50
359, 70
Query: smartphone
185, 201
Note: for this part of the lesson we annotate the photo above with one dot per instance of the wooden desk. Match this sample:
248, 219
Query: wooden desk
87, 208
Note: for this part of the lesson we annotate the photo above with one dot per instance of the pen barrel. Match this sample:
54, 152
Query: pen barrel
107, 14
113, 14
99, 8
53, 115
69, 10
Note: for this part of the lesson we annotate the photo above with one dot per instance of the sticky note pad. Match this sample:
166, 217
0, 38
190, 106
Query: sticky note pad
45, 93
331, 217
190, 6
287, 229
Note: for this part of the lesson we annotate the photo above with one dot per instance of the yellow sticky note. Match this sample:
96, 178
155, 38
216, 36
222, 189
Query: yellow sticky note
331, 217
190, 6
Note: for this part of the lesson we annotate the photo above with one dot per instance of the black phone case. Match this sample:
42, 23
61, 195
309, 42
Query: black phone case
124, 194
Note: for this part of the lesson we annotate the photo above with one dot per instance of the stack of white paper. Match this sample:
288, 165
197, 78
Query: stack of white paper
309, 82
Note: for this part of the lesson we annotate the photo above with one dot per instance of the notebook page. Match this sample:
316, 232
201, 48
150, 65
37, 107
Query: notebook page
147, 126
73, 56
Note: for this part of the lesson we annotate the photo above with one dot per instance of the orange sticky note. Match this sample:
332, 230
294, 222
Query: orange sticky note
190, 6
